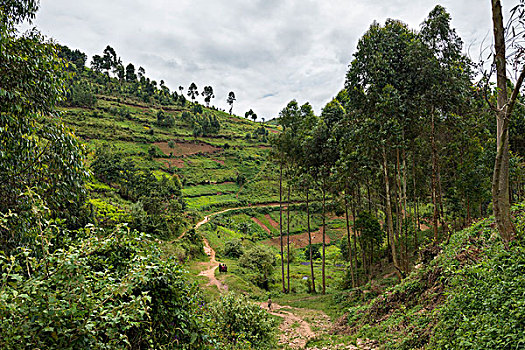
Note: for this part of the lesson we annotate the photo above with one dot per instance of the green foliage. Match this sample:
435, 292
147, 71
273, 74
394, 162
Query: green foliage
233, 248
81, 96
259, 261
37, 152
105, 291
239, 321
485, 307
164, 119
157, 201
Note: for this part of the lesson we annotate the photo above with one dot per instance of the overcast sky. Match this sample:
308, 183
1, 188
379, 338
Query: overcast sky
267, 51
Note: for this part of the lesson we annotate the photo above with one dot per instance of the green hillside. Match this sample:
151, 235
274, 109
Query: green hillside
134, 215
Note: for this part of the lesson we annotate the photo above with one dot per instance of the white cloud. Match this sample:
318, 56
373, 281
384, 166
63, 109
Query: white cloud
266, 51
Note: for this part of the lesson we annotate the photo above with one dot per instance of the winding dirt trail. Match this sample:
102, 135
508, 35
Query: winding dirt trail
299, 325
295, 330
212, 266
209, 216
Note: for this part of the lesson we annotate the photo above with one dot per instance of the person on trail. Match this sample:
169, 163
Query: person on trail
269, 303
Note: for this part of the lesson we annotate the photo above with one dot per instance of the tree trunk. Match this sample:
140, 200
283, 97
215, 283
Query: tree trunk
389, 220
354, 214
500, 178
434, 181
349, 238
400, 213
310, 240
288, 239
281, 224
416, 223
324, 239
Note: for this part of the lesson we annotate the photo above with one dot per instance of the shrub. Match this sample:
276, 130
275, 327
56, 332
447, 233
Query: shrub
239, 321
104, 291
233, 248
259, 261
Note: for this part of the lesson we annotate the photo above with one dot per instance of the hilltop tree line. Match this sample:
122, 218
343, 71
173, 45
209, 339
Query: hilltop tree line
109, 65
410, 132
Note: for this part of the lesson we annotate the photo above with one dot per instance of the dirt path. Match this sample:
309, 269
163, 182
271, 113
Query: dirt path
209, 216
212, 266
295, 330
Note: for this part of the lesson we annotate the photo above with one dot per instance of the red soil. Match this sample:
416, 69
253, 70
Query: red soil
299, 240
179, 163
263, 226
272, 222
186, 148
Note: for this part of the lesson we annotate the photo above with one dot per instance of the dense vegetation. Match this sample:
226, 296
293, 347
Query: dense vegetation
376, 211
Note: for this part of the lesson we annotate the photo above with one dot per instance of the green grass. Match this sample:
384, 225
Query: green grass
203, 190
208, 202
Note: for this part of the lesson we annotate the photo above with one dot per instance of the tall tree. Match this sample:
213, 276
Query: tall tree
231, 98
38, 155
208, 95
192, 92
503, 111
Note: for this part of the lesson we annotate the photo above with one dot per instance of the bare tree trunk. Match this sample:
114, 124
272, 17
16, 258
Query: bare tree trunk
399, 212
288, 239
369, 198
349, 238
281, 224
310, 239
434, 181
324, 238
389, 220
354, 214
416, 223
500, 178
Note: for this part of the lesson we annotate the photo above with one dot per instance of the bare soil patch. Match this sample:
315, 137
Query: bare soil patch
263, 226
299, 240
272, 222
221, 162
179, 163
186, 148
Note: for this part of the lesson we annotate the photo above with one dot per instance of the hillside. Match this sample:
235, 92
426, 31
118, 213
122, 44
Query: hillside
138, 216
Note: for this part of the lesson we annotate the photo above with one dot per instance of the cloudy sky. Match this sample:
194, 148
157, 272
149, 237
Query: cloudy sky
267, 51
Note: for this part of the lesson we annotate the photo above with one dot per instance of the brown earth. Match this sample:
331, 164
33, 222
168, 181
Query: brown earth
221, 162
263, 226
186, 148
179, 163
212, 266
272, 222
299, 240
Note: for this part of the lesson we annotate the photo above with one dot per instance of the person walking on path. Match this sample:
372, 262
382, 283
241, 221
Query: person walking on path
269, 303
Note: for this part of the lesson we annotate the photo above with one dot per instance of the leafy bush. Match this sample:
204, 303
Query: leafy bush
239, 321
485, 309
233, 248
104, 291
259, 260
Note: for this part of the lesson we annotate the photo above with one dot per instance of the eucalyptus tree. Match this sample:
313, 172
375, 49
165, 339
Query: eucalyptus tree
208, 95
130, 73
506, 102
447, 77
379, 82
231, 98
192, 92
39, 157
